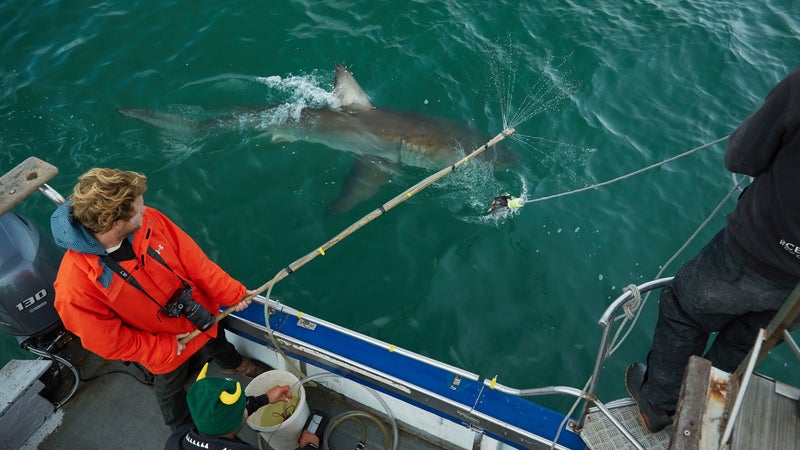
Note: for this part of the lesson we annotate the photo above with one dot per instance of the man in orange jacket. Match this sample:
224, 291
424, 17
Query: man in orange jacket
132, 284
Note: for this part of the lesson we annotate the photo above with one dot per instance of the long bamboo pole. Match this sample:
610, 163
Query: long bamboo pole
288, 270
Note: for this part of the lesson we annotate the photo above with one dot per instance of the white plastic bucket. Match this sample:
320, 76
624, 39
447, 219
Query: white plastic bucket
280, 434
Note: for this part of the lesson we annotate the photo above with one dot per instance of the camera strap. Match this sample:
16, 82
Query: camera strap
125, 275
157, 256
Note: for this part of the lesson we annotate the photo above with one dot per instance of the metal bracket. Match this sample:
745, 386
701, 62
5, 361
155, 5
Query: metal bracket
306, 324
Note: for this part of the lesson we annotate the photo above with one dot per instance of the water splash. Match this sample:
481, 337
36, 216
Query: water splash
299, 92
464, 190
287, 97
500, 216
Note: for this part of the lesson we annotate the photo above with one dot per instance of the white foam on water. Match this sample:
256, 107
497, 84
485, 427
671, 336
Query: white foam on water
300, 92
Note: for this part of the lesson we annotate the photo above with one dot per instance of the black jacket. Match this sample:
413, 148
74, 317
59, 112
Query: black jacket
188, 438
766, 221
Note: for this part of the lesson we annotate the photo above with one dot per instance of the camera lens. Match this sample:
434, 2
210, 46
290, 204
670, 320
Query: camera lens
199, 316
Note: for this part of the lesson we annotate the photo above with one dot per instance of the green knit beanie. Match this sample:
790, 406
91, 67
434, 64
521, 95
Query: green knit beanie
216, 404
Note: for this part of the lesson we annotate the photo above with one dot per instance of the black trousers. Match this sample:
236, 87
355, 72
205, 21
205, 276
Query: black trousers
169, 387
714, 292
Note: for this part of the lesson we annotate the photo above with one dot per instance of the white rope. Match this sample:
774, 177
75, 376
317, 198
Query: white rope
271, 335
614, 345
632, 305
631, 310
636, 172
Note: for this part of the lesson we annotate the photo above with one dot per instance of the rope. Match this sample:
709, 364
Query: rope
632, 305
278, 349
361, 222
614, 344
636, 172
633, 308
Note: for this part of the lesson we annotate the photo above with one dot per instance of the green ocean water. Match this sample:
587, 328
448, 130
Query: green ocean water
604, 90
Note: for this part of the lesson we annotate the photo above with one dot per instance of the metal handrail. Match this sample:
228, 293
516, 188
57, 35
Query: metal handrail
791, 343
588, 395
780, 323
607, 322
567, 390
52, 194
608, 316
775, 332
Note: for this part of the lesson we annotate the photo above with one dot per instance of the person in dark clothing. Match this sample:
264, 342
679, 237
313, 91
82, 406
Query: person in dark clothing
739, 280
219, 409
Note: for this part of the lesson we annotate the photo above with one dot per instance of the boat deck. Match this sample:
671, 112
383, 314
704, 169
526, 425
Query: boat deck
111, 411
767, 417
770, 417
736, 411
116, 411
600, 434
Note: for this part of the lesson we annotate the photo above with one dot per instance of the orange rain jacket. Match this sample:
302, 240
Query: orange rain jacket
118, 321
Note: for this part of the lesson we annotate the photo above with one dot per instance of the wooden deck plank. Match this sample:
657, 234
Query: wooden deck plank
768, 418
22, 180
691, 405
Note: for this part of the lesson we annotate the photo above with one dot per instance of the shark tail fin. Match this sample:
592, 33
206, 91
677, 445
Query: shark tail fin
167, 121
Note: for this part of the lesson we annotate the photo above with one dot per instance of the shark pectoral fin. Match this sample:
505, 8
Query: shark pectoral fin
366, 177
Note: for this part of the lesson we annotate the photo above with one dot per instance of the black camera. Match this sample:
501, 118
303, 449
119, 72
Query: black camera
182, 303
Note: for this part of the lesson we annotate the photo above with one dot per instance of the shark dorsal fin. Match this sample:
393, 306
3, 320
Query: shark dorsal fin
348, 91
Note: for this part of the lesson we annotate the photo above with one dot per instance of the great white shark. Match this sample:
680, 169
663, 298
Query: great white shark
381, 138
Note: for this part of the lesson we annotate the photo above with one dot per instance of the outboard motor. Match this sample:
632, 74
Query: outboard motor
28, 267
29, 264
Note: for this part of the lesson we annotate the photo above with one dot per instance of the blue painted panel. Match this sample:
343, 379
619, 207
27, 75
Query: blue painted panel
506, 408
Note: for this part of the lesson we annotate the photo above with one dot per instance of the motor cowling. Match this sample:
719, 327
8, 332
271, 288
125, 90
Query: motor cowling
28, 266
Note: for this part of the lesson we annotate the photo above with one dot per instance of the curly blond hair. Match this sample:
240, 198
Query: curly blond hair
103, 196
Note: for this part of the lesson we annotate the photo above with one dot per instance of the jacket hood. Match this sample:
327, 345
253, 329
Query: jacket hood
71, 234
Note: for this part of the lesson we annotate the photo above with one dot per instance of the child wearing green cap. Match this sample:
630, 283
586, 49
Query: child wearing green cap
219, 409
